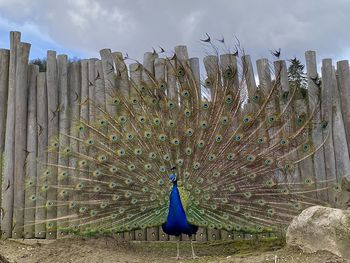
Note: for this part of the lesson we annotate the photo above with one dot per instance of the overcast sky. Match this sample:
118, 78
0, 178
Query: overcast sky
82, 27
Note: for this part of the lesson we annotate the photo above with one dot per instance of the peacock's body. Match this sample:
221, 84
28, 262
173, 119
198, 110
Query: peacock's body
235, 155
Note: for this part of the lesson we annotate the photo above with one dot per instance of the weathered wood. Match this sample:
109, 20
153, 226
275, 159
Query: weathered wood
172, 92
4, 73
100, 92
211, 66
248, 74
122, 76
229, 62
109, 79
92, 93
74, 93
329, 85
316, 136
64, 125
9, 153
42, 121
32, 146
341, 150
344, 91
20, 137
53, 128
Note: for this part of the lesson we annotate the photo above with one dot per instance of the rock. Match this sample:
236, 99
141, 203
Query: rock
343, 197
321, 228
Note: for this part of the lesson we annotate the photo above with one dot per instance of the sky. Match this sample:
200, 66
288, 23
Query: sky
80, 28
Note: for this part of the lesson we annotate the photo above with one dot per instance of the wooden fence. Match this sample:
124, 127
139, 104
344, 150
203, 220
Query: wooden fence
34, 107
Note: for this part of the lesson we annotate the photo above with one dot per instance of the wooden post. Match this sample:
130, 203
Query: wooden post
42, 121
4, 74
341, 149
9, 154
229, 62
329, 85
109, 79
20, 137
74, 92
248, 74
92, 77
344, 92
64, 125
32, 145
100, 92
53, 128
317, 137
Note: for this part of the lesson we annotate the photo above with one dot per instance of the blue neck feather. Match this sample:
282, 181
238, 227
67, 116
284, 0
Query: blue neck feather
176, 223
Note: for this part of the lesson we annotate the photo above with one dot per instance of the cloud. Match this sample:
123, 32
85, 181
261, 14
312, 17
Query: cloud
136, 26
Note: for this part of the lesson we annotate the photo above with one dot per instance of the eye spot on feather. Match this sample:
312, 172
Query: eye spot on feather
218, 138
189, 132
337, 188
122, 119
270, 183
156, 121
96, 173
271, 211
308, 181
162, 137
171, 104
115, 197
82, 163
301, 119
211, 157
188, 151
250, 158
179, 162
261, 202
204, 124
180, 71
128, 194
306, 147
261, 140
247, 195
200, 180
138, 151
187, 113
216, 174
252, 176
232, 188
224, 120
162, 86
89, 142
200, 144
162, 169
134, 100
97, 189
175, 141
208, 83
196, 165
79, 186
247, 119
171, 123
268, 161
205, 105
102, 158
147, 134
113, 169
131, 167
112, 185
148, 166
228, 99
152, 155
141, 119
283, 142
116, 101
185, 94
233, 172
121, 152
238, 137
237, 208
228, 73
102, 123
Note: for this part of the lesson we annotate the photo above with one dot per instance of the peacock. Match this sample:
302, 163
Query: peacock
180, 152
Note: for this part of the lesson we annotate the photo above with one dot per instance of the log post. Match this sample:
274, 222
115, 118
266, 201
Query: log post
74, 92
64, 125
53, 128
20, 137
9, 153
329, 85
32, 146
344, 92
316, 136
42, 121
4, 74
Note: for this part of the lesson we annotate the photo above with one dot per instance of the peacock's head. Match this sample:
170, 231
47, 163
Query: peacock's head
172, 176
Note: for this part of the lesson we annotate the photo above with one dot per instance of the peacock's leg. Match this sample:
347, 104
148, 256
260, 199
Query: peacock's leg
193, 254
178, 247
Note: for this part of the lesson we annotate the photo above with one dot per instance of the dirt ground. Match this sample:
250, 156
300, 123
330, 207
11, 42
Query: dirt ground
108, 250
